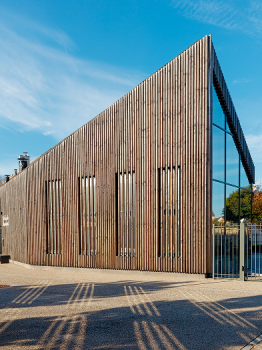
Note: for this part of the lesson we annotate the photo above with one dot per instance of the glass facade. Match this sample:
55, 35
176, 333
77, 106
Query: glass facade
243, 177
232, 161
218, 201
232, 204
218, 154
231, 188
219, 118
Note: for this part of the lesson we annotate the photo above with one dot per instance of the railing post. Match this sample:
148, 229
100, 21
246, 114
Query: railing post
213, 253
242, 252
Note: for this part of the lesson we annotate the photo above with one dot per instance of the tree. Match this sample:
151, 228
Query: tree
245, 203
257, 206
232, 205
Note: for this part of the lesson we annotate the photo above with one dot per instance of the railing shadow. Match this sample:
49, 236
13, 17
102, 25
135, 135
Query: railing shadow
45, 294
86, 316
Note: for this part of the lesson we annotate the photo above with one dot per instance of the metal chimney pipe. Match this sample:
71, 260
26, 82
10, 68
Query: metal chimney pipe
24, 161
15, 171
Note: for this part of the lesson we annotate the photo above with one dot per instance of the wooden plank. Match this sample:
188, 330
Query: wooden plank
165, 123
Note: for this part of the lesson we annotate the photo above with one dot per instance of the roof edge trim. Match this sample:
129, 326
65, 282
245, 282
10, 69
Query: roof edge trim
232, 118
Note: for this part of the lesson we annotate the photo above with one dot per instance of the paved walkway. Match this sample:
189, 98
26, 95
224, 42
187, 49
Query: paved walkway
94, 309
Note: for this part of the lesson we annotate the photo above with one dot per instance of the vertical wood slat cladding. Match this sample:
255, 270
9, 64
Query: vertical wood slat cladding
163, 123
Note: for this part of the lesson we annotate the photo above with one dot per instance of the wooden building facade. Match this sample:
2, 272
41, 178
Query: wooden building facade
132, 188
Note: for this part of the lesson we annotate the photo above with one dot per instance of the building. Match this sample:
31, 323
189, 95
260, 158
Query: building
132, 188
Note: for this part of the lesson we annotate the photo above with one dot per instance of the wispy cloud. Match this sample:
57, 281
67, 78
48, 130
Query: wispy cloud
45, 88
208, 11
245, 16
241, 81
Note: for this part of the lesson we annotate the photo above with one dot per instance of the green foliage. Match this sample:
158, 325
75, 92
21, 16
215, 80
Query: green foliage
216, 222
257, 206
232, 205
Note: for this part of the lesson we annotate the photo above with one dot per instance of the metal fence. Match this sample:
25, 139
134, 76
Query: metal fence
226, 241
237, 252
253, 252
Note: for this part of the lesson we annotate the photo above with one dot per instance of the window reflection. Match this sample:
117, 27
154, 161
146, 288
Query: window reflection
232, 205
227, 127
232, 161
218, 154
243, 177
218, 203
245, 204
218, 114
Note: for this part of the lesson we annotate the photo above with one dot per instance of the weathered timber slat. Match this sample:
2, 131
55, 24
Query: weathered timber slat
152, 149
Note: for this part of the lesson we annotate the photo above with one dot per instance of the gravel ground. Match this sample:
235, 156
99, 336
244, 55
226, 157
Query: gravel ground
105, 309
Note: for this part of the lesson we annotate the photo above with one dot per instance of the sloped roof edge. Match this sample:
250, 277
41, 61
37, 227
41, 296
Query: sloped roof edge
232, 118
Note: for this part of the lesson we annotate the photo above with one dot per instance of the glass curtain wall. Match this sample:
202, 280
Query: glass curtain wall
231, 194
231, 188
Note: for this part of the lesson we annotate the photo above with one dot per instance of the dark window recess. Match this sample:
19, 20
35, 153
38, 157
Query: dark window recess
169, 241
54, 217
116, 212
87, 215
125, 214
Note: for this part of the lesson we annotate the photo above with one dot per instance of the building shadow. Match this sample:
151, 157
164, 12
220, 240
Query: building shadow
74, 319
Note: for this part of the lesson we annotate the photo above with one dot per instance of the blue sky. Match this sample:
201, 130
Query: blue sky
63, 62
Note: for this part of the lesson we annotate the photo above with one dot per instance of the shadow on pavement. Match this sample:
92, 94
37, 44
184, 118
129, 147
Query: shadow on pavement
81, 318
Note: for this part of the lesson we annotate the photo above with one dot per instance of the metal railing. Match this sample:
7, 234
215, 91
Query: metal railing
237, 252
253, 252
226, 251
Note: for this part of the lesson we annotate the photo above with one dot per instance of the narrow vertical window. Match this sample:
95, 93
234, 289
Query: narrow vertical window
169, 240
95, 216
126, 215
47, 218
133, 180
178, 213
116, 213
159, 211
88, 215
79, 215
54, 217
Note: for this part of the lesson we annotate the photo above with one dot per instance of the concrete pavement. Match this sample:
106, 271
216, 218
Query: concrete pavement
104, 309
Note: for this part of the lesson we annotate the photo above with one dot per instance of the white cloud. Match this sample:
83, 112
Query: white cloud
245, 16
241, 81
44, 88
208, 11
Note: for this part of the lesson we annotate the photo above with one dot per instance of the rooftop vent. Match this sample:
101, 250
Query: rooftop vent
24, 161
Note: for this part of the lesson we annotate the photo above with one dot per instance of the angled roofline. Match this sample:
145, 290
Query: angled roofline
225, 99
98, 115
232, 118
